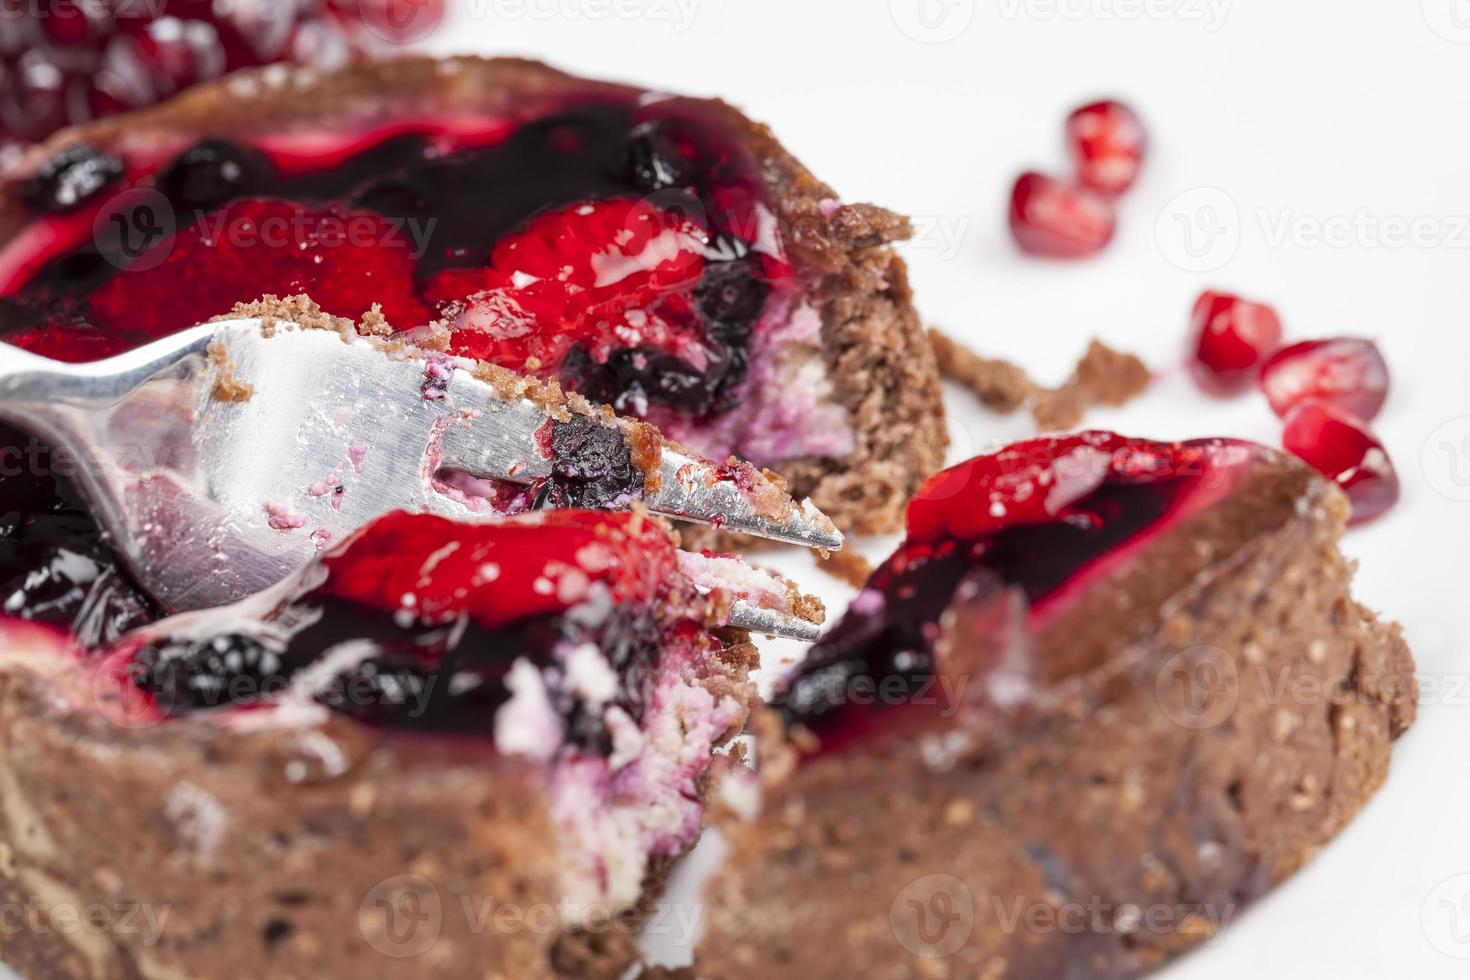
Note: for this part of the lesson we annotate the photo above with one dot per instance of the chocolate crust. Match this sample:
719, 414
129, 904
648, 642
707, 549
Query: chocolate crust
1105, 829
267, 852
877, 354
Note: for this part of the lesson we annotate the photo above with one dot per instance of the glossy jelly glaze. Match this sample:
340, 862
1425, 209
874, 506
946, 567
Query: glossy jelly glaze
423, 623
1050, 517
620, 244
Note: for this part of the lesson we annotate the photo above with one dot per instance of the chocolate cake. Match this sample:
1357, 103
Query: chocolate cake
442, 751
662, 255
1106, 693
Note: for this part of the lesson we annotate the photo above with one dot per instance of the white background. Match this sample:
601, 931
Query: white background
1350, 118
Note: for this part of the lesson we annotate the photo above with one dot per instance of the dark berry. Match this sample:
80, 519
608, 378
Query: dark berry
655, 161
593, 467
213, 173
187, 675
731, 298
70, 178
635, 378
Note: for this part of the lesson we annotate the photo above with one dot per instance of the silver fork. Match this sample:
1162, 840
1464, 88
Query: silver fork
211, 500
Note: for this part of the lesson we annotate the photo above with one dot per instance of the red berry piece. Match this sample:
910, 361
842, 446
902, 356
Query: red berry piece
1345, 372
1232, 338
1341, 448
1106, 142
1059, 220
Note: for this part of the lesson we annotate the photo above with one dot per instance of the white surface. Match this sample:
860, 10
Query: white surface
1346, 115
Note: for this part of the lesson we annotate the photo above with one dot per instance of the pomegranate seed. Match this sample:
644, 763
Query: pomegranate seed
1106, 142
1340, 446
1052, 218
1233, 337
1344, 372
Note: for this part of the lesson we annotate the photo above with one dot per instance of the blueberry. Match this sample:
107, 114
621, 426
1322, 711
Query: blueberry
213, 173
191, 675
69, 179
654, 161
593, 467
632, 378
731, 297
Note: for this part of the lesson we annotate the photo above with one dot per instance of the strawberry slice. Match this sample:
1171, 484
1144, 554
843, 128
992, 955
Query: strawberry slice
604, 275
344, 260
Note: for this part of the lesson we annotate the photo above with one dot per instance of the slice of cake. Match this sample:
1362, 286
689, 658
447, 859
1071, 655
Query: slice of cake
662, 255
443, 751
1107, 692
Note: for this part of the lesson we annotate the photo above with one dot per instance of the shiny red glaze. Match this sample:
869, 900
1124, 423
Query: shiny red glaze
345, 260
498, 574
1232, 337
1342, 449
1106, 141
574, 277
1345, 372
1051, 218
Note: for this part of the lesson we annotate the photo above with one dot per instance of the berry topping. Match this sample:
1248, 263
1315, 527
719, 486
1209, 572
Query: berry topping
593, 274
1106, 142
1052, 218
213, 173
421, 622
189, 675
1045, 517
654, 160
1232, 338
622, 248
593, 468
346, 261
70, 179
1346, 373
1341, 448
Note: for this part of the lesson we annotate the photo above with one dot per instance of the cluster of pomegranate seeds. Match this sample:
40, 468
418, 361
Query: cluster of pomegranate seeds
1233, 338
1074, 219
66, 62
1327, 391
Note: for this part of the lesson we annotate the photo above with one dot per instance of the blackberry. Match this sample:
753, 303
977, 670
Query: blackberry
213, 173
195, 675
654, 161
593, 468
70, 178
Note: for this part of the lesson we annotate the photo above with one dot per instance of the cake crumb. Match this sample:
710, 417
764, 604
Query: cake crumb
999, 385
227, 387
374, 323
847, 566
1103, 376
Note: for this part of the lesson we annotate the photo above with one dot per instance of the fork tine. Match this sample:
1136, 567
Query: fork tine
694, 489
770, 622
